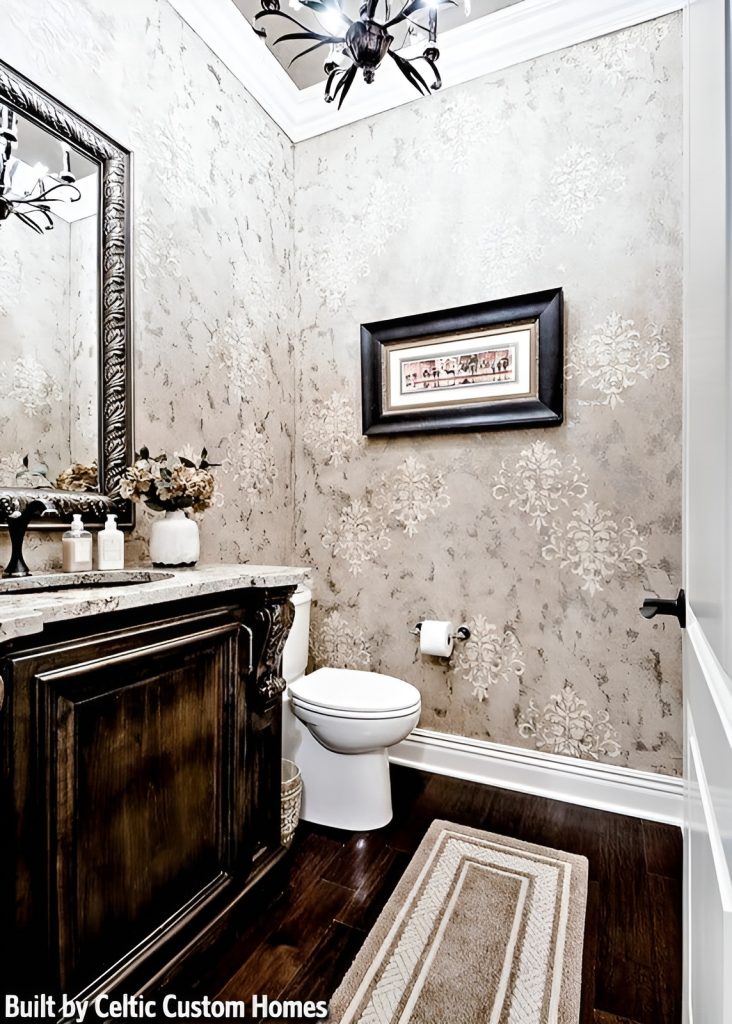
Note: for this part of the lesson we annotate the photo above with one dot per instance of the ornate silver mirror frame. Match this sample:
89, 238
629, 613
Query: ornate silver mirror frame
115, 309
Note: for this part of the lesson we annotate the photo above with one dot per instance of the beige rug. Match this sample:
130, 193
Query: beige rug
480, 930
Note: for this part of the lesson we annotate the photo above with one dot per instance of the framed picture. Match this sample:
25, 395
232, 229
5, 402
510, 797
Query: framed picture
490, 366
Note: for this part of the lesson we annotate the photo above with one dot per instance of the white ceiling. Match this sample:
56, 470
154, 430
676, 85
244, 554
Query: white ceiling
308, 70
518, 32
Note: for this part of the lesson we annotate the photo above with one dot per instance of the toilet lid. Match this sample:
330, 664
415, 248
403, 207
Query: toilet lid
342, 689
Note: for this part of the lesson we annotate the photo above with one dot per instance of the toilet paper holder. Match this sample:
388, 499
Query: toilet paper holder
461, 633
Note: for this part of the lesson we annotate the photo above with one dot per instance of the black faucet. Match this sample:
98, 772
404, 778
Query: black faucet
18, 521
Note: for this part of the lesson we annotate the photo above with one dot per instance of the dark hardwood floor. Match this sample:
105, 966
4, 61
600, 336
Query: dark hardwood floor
339, 882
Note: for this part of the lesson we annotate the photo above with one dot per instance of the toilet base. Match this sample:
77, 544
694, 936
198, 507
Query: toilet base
347, 791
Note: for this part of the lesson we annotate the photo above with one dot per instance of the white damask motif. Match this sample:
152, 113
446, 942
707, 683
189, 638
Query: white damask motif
616, 54
579, 182
11, 278
329, 429
489, 656
411, 494
164, 154
504, 250
594, 546
614, 356
158, 255
242, 360
352, 246
63, 33
565, 725
538, 482
356, 535
11, 467
338, 644
249, 459
461, 121
30, 384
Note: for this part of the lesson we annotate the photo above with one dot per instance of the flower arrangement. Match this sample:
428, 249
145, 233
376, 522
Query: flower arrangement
78, 477
168, 483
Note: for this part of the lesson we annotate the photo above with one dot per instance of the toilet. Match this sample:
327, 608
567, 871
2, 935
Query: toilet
337, 727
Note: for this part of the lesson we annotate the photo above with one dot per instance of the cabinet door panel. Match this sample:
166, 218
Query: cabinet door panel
135, 742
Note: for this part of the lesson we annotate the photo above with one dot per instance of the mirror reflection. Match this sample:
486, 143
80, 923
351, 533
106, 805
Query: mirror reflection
49, 309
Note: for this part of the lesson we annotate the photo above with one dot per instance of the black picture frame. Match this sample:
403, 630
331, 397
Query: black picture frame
541, 312
114, 315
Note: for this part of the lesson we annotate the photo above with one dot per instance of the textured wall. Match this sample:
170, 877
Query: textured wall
213, 185
562, 171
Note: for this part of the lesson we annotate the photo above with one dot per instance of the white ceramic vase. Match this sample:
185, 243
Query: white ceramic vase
174, 541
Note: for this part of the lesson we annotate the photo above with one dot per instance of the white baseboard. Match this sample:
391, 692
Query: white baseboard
586, 783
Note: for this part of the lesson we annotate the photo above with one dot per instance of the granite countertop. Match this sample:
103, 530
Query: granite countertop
25, 613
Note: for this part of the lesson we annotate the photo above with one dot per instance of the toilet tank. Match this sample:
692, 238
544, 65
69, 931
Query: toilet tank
295, 654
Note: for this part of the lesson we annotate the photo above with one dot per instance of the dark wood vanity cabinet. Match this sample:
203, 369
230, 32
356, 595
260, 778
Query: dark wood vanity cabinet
140, 788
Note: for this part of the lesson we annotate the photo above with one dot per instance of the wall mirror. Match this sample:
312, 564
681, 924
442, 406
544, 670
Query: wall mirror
65, 309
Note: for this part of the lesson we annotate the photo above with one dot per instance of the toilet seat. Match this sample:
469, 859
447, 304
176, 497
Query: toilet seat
349, 693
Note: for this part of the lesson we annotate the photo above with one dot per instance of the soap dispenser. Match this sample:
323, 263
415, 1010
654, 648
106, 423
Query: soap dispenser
77, 547
110, 546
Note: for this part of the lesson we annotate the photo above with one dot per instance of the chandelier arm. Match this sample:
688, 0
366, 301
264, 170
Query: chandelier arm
437, 84
308, 50
345, 84
411, 74
59, 199
30, 223
281, 14
324, 40
329, 82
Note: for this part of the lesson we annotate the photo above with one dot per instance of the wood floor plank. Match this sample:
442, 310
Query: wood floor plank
369, 900
322, 972
589, 954
666, 902
297, 932
663, 845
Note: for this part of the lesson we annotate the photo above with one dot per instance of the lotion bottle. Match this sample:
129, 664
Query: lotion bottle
110, 546
77, 547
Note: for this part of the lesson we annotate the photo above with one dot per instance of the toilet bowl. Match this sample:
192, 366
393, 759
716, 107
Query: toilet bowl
337, 727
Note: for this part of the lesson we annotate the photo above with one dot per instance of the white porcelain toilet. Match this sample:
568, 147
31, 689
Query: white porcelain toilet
337, 725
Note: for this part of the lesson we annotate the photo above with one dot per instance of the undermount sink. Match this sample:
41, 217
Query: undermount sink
49, 581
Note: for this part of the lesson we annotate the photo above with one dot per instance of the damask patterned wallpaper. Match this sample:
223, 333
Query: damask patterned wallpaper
213, 187
563, 171
249, 293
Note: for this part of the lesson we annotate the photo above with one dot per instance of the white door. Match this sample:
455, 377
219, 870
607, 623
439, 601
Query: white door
708, 518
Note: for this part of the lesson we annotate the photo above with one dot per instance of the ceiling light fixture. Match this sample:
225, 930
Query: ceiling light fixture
27, 203
364, 43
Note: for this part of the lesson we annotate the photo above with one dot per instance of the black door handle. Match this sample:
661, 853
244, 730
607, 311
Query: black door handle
653, 606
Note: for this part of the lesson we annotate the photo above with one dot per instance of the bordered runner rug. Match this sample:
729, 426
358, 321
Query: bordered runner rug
481, 929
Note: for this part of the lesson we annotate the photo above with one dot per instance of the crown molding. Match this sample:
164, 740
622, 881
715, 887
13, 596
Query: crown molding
529, 29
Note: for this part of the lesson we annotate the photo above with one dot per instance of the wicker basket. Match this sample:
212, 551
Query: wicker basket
291, 796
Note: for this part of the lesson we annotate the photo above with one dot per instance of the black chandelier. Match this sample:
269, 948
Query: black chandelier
364, 43
34, 202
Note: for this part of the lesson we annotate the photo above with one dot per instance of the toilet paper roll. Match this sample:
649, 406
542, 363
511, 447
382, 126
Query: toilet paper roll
435, 638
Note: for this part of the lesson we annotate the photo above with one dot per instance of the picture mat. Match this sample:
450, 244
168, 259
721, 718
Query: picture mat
522, 336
